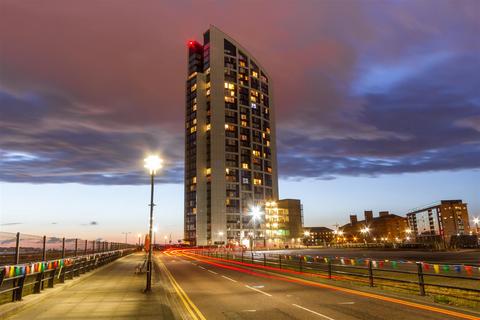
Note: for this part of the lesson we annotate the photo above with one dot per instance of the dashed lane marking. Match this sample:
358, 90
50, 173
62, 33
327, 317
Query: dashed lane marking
233, 280
311, 311
259, 291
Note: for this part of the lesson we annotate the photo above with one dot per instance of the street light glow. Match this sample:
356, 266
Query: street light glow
153, 163
476, 220
255, 212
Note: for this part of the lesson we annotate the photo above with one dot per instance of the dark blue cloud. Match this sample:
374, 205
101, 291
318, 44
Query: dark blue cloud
360, 88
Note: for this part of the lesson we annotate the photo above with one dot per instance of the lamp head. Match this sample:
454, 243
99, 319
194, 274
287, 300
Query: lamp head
255, 212
153, 163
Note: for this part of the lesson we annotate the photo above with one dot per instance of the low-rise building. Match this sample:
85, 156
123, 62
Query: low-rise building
317, 236
387, 227
440, 221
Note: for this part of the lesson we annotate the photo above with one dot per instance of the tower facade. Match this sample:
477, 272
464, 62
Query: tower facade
230, 151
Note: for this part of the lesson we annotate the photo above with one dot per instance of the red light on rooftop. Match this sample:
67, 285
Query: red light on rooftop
191, 43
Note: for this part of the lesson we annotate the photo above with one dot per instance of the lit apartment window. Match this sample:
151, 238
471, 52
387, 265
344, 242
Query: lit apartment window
193, 88
244, 165
194, 180
209, 126
208, 171
193, 129
229, 127
194, 108
254, 106
244, 124
256, 153
208, 92
229, 86
229, 99
194, 121
254, 74
257, 182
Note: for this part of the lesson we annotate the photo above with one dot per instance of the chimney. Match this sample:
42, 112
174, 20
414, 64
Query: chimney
353, 219
368, 215
383, 213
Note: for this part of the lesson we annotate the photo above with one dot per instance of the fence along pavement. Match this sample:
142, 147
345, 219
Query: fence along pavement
30, 261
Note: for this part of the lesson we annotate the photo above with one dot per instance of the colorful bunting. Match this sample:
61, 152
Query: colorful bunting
436, 267
469, 269
394, 264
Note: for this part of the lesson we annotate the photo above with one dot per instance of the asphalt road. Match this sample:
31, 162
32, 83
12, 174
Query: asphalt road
223, 291
461, 256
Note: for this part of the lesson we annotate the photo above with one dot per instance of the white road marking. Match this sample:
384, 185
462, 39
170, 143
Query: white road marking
212, 271
348, 302
202, 267
233, 280
260, 291
314, 312
249, 310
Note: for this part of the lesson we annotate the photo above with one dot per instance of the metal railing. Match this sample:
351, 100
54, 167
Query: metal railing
372, 272
29, 264
16, 248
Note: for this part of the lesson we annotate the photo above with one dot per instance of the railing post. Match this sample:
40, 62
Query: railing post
93, 246
76, 247
38, 282
300, 264
264, 260
86, 248
252, 257
19, 291
17, 249
421, 282
63, 248
370, 272
44, 249
329, 268
280, 260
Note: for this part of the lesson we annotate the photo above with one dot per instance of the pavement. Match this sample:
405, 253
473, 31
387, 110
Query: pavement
114, 292
188, 286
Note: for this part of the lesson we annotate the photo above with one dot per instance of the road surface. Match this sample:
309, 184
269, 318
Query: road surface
225, 292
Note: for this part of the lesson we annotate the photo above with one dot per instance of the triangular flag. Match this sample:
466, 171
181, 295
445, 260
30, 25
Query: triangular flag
468, 269
436, 267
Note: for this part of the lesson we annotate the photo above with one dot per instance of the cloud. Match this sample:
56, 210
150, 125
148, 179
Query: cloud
360, 88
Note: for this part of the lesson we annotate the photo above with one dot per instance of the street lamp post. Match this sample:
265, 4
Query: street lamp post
255, 211
220, 233
126, 236
139, 239
152, 163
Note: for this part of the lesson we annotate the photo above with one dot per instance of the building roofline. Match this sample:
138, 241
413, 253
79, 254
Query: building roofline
241, 48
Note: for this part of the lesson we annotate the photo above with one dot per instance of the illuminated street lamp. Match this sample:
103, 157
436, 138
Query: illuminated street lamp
152, 163
256, 215
165, 238
365, 231
220, 234
306, 234
476, 221
139, 239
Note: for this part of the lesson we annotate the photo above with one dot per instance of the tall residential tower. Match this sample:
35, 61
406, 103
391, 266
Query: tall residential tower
230, 153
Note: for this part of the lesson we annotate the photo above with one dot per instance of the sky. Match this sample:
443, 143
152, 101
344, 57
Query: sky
378, 106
